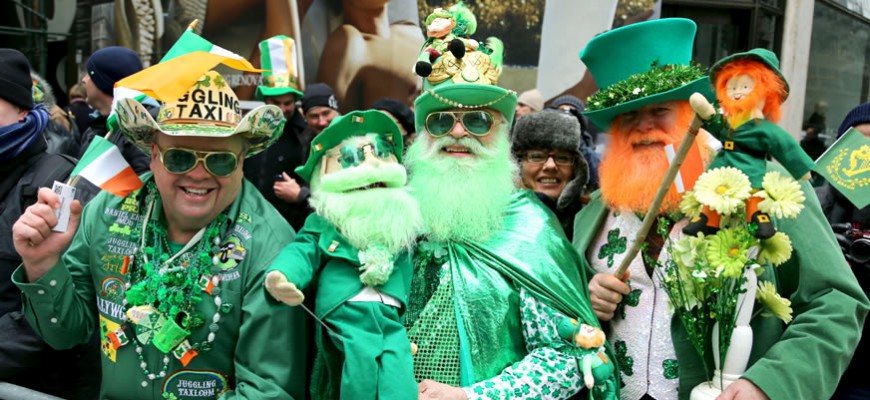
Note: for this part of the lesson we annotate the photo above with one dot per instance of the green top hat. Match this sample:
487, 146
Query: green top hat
641, 64
469, 82
278, 58
761, 55
357, 123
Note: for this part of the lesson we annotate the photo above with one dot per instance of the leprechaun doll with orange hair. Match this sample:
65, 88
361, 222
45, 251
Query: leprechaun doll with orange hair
750, 90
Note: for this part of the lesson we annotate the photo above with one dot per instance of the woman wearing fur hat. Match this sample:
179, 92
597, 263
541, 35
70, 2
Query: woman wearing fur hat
547, 146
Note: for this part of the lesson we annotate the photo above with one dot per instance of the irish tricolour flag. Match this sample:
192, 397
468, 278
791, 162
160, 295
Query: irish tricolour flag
104, 166
186, 61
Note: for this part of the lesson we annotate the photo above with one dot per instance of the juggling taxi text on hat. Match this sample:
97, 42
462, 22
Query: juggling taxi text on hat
209, 109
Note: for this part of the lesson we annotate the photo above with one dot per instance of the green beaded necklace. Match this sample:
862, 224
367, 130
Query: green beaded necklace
171, 284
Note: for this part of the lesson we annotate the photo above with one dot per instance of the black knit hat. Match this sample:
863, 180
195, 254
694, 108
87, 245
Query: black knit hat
111, 64
577, 112
858, 115
15, 79
399, 110
319, 95
557, 130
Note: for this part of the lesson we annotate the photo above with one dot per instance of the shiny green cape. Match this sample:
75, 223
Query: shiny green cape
531, 252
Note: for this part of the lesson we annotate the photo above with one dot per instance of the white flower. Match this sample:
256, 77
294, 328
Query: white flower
782, 196
723, 189
635, 91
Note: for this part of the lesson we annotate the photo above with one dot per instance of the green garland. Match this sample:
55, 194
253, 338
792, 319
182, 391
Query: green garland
658, 79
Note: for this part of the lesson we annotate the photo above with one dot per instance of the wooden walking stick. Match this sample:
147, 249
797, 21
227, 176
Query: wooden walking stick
653, 210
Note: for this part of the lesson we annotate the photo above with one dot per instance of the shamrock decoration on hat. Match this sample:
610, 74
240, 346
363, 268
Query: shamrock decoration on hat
278, 58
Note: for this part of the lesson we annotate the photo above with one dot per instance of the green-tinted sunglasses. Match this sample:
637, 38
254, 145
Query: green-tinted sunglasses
179, 161
352, 156
478, 122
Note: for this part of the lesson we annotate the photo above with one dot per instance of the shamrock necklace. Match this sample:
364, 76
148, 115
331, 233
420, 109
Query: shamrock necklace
162, 302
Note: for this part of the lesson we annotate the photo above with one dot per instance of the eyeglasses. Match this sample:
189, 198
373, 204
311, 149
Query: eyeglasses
478, 123
353, 156
540, 157
179, 161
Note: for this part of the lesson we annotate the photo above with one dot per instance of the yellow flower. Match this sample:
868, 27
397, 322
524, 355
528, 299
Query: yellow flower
773, 302
782, 196
723, 189
775, 250
690, 206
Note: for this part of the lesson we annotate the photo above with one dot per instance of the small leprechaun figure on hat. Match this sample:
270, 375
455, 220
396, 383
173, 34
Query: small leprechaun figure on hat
446, 30
750, 90
355, 247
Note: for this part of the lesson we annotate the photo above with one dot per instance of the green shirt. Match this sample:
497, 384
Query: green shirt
259, 348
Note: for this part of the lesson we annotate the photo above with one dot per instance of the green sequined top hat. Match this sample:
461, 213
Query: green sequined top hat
357, 123
469, 82
209, 109
278, 57
761, 55
654, 56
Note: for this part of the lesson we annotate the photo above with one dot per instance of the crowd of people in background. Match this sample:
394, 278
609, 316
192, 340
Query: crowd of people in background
550, 142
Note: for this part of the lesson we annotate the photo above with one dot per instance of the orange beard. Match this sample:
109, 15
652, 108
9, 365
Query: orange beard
739, 111
631, 175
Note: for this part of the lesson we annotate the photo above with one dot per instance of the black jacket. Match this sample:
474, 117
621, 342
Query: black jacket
25, 359
288, 152
137, 159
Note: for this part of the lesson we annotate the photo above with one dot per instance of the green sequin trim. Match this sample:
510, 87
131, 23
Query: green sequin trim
671, 367
625, 362
658, 79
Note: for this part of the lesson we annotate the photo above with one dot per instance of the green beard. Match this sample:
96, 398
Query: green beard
385, 216
462, 198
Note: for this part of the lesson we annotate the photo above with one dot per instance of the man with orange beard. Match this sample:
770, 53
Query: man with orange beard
646, 76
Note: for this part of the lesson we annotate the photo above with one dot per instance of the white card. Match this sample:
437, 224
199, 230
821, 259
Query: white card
67, 194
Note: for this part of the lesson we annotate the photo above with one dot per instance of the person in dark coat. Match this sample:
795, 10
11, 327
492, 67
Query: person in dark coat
104, 68
25, 165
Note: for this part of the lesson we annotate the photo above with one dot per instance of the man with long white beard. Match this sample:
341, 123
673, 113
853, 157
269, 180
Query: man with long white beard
494, 276
646, 79
356, 247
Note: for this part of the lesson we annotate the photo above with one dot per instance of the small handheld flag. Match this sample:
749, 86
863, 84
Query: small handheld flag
846, 165
104, 166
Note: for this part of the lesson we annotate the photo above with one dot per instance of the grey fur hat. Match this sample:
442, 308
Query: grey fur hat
557, 130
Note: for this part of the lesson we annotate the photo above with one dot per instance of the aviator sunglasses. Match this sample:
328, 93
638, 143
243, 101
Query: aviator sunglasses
179, 161
478, 122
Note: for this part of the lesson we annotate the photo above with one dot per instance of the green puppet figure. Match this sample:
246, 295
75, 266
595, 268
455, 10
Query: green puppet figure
355, 247
446, 30
750, 90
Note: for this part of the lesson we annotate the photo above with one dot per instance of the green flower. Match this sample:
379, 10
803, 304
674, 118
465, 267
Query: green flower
690, 206
728, 252
723, 189
688, 250
773, 302
782, 196
775, 250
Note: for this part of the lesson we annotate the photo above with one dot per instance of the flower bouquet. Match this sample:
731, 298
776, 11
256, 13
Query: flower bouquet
711, 280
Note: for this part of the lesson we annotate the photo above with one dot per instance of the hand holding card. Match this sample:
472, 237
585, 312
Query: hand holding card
39, 246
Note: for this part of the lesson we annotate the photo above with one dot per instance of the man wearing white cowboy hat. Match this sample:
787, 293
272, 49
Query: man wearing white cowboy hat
272, 170
177, 266
495, 278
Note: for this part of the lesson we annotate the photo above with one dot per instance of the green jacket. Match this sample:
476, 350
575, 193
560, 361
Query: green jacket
761, 137
802, 360
338, 268
259, 348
